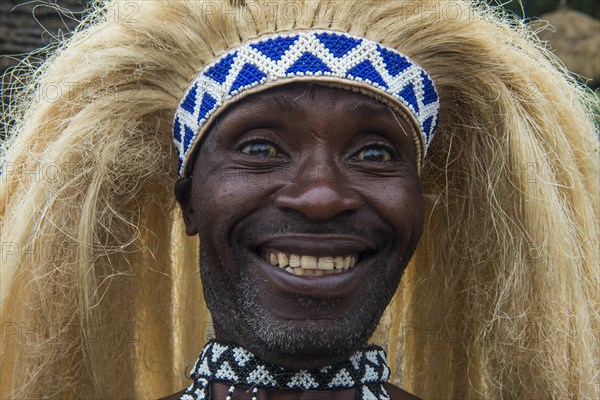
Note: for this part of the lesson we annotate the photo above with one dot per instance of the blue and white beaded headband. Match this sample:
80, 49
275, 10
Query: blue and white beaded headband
328, 57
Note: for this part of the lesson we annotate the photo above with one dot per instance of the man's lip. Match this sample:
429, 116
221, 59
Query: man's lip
317, 245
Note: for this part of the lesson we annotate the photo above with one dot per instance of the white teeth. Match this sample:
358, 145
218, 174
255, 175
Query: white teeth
309, 262
273, 259
310, 265
347, 262
283, 259
295, 260
325, 263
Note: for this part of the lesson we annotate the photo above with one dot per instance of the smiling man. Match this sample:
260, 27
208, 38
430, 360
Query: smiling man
308, 203
308, 216
327, 156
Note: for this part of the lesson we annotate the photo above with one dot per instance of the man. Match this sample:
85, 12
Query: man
299, 136
299, 268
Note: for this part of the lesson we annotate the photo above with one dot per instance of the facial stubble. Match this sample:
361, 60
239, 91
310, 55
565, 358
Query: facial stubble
240, 311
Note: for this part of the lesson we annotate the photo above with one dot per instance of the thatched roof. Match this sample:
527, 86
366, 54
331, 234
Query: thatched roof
575, 39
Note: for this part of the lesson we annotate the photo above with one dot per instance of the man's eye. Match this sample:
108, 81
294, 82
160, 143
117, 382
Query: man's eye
260, 149
373, 153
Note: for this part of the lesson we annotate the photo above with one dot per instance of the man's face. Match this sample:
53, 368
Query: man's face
308, 205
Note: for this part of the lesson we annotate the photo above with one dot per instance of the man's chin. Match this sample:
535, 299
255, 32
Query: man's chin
296, 330
308, 343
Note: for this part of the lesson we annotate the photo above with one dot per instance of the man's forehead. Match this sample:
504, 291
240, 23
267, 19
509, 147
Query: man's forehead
289, 97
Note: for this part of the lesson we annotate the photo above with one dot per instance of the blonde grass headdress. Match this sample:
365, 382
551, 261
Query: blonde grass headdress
100, 293
322, 56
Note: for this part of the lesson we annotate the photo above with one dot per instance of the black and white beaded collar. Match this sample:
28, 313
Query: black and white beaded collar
366, 371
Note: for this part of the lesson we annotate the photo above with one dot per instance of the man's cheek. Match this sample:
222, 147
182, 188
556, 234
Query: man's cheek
222, 205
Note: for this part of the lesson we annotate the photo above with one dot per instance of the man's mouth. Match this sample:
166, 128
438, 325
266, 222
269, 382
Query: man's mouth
309, 265
313, 265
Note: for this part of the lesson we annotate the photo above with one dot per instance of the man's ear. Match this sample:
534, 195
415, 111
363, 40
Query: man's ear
183, 194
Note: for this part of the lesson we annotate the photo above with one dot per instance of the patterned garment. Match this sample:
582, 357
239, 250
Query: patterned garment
366, 371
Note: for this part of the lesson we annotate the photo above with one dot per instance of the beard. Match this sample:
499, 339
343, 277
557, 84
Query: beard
242, 315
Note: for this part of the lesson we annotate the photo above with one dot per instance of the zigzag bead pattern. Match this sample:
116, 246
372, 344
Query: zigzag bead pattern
305, 55
366, 371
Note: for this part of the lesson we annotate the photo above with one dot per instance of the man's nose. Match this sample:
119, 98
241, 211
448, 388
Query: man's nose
319, 192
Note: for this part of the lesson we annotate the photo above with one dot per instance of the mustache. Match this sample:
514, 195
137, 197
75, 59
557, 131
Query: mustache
295, 223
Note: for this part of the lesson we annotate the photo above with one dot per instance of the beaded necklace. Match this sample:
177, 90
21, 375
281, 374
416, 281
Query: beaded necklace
366, 370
